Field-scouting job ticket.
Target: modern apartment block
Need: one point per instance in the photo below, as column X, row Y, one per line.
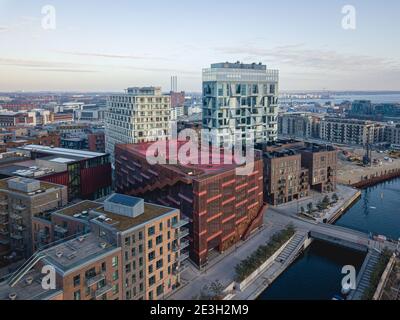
column 151, row 239
column 321, row 162
column 299, row 125
column 86, row 268
column 222, row 206
column 285, row 179
column 392, row 134
column 351, row 131
column 21, row 199
column 241, row 97
column 292, row 168
column 138, row 115
column 86, row 174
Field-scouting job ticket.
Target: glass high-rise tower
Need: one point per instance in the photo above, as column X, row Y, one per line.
column 240, row 97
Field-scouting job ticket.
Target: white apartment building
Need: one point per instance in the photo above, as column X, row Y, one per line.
column 242, row 97
column 138, row 115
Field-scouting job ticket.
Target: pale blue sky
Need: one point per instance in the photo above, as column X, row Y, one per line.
column 110, row 45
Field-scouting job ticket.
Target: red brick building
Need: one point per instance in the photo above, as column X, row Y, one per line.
column 223, row 207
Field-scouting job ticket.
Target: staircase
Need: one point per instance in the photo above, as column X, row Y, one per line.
column 24, row 269
column 255, row 221
column 155, row 186
column 290, row 248
column 365, row 274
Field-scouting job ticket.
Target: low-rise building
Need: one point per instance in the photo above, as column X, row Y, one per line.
column 21, row 199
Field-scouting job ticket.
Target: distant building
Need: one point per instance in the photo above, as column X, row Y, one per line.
column 241, row 97
column 138, row 115
column 352, row 131
column 299, row 125
column 223, row 207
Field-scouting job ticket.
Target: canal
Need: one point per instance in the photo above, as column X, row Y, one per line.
column 316, row 274
column 378, row 211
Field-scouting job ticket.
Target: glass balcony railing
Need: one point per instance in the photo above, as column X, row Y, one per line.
column 181, row 223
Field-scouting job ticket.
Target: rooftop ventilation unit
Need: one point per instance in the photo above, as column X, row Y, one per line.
column 12, row 296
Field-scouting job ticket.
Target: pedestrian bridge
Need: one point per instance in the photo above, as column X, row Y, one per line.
column 348, row 237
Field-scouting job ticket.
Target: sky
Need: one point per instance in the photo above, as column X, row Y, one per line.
column 111, row 45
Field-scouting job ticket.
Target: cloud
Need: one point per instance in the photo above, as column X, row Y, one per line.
column 66, row 70
column 299, row 56
column 110, row 55
column 38, row 65
column 4, row 29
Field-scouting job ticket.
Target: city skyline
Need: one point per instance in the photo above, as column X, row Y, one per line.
column 131, row 43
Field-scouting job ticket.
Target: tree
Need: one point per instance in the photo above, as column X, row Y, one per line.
column 325, row 202
column 335, row 197
column 217, row 289
column 302, row 210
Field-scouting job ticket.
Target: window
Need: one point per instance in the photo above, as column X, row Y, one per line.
column 161, row 226
column 134, row 252
column 151, row 231
column 128, row 268
column 103, row 267
column 115, row 262
column 160, row 290
column 152, row 256
column 152, row 280
column 77, row 295
column 159, row 240
column 140, row 262
column 140, row 235
column 77, row 281
column 141, row 287
column 150, row 244
column 115, row 288
column 151, row 295
column 159, row 264
column 127, row 241
column 115, row 275
column 151, row 269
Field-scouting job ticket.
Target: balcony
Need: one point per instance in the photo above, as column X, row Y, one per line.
column 3, row 202
column 19, row 207
column 15, row 216
column 183, row 233
column 183, row 257
column 183, row 244
column 181, row 223
column 16, row 236
column 94, row 280
column 102, row 291
column 4, row 232
column 4, row 242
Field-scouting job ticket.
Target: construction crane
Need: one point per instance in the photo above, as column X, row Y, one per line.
column 367, row 159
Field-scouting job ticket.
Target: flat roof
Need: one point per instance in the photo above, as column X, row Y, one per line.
column 193, row 171
column 73, row 253
column 124, row 223
column 62, row 151
column 25, row 291
column 43, row 186
column 79, row 208
column 119, row 222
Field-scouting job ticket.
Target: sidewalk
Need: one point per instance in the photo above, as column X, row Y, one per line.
column 223, row 270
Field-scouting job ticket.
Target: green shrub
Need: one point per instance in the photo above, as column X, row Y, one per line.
column 247, row 266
